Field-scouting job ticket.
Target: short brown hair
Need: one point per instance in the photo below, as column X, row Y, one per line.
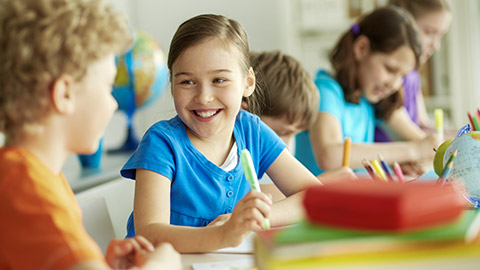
column 387, row 29
column 40, row 40
column 288, row 89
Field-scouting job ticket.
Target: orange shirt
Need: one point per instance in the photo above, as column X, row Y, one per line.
column 40, row 220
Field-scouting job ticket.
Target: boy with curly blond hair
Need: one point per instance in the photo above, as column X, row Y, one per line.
column 57, row 68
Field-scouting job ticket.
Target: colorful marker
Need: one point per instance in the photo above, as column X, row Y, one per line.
column 470, row 118
column 448, row 167
column 347, row 145
column 369, row 169
column 378, row 169
column 386, row 168
column 475, row 123
column 398, row 171
column 249, row 170
column 438, row 113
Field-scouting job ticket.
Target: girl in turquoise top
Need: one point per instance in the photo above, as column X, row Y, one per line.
column 190, row 188
column 411, row 121
column 369, row 62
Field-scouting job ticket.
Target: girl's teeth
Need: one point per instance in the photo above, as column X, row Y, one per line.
column 206, row 114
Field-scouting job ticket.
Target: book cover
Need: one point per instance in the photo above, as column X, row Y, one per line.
column 305, row 245
column 388, row 206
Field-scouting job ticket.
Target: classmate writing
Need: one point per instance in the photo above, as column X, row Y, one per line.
column 186, row 169
column 411, row 121
column 56, row 70
column 369, row 62
column 289, row 103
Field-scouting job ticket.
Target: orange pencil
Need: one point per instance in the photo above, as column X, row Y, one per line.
column 347, row 145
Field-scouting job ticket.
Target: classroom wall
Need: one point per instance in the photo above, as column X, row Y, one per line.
column 276, row 24
column 269, row 24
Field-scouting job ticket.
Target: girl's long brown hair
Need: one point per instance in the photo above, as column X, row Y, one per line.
column 387, row 29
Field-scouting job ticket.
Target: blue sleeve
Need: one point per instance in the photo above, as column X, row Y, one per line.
column 262, row 142
column 270, row 147
column 331, row 97
column 155, row 153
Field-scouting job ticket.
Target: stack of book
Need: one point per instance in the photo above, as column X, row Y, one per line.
column 363, row 225
column 308, row 246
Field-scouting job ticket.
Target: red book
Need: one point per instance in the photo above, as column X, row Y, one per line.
column 388, row 206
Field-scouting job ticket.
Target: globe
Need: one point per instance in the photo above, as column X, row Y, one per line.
column 142, row 76
column 466, row 166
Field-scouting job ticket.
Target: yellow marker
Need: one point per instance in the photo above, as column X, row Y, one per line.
column 347, row 145
column 378, row 169
column 438, row 113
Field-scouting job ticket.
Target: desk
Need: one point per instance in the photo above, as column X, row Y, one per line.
column 83, row 179
column 219, row 261
column 238, row 261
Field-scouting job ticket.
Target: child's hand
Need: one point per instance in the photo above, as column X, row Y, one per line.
column 248, row 215
column 137, row 251
column 427, row 145
column 126, row 253
column 343, row 173
column 412, row 169
column 164, row 257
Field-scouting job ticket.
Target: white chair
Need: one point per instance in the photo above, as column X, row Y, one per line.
column 105, row 210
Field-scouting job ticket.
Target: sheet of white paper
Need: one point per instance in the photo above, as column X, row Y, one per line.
column 240, row 264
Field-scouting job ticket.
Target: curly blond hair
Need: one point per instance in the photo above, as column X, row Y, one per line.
column 42, row 39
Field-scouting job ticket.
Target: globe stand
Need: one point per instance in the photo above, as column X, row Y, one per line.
column 92, row 163
column 131, row 142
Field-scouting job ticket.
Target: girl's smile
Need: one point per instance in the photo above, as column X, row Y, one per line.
column 206, row 115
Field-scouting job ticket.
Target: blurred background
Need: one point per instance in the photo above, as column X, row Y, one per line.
column 307, row 29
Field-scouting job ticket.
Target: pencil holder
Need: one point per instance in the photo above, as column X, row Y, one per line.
column 465, row 170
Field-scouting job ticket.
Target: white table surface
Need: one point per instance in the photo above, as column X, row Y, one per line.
column 217, row 261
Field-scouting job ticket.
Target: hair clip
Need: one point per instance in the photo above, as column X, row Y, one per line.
column 355, row 29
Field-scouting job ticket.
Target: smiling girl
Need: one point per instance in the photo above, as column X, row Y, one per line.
column 369, row 62
column 187, row 169
column 411, row 121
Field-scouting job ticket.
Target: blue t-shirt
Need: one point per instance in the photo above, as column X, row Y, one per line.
column 201, row 190
column 357, row 120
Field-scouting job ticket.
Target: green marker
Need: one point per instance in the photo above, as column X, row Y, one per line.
column 251, row 176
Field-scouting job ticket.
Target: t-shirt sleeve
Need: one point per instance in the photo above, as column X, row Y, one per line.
column 42, row 231
column 331, row 97
column 154, row 153
column 270, row 147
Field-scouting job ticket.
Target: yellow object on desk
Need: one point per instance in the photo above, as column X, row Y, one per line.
column 307, row 246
